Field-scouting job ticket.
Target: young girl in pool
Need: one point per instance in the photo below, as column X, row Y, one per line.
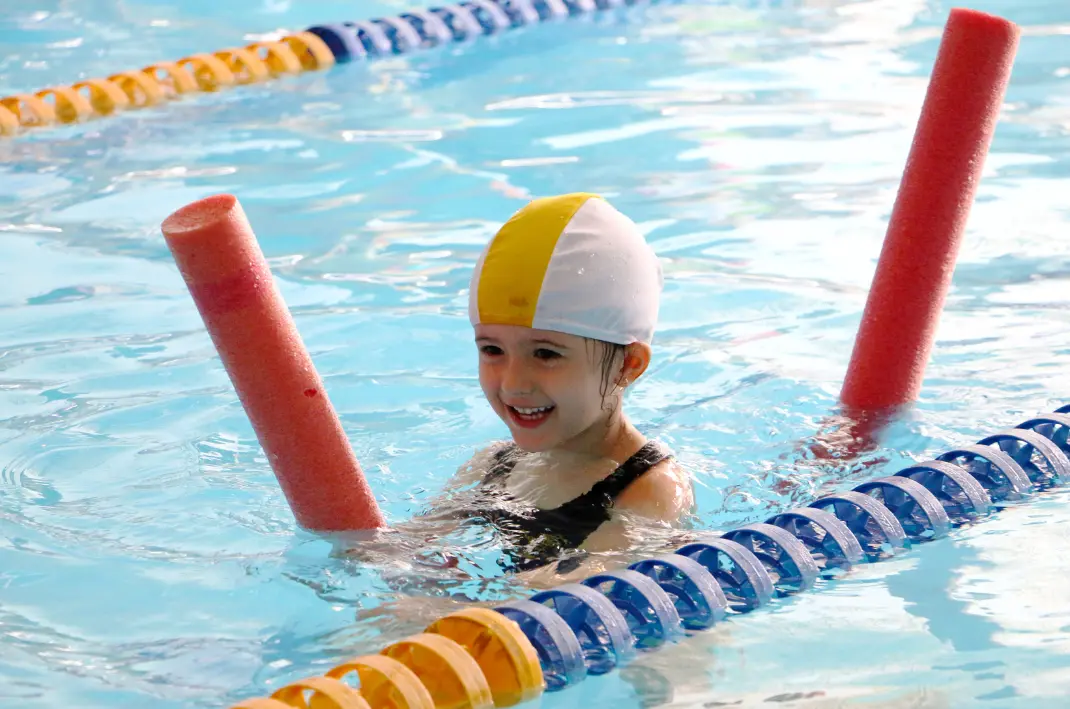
column 564, row 301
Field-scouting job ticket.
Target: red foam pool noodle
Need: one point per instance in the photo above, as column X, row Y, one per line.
column 958, row 118
column 272, row 372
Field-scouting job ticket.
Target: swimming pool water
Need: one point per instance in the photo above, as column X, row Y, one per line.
column 147, row 557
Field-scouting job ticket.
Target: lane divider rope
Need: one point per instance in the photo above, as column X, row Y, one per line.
column 478, row 658
column 316, row 48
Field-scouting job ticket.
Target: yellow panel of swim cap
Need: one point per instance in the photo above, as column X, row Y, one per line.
column 516, row 262
column 506, row 656
column 386, row 683
column 453, row 678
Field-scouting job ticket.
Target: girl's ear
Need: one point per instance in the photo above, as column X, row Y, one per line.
column 636, row 360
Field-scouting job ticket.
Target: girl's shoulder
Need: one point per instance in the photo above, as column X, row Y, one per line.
column 664, row 492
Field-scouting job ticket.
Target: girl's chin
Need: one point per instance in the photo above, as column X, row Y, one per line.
column 529, row 443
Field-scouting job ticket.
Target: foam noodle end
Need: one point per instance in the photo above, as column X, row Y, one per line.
column 200, row 215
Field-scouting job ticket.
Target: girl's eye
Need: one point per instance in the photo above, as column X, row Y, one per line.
column 546, row 354
column 490, row 350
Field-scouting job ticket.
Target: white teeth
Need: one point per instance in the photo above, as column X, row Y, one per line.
column 530, row 412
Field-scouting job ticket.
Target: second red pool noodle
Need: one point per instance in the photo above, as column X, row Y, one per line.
column 958, row 119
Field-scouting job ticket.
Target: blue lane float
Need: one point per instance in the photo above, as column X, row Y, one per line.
column 603, row 621
column 649, row 611
column 742, row 576
column 696, row 595
column 787, row 560
column 557, row 646
column 826, row 537
column 600, row 627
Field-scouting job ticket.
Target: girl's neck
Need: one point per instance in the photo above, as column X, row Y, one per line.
column 560, row 474
column 613, row 438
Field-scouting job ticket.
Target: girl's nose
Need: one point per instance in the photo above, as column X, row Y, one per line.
column 515, row 379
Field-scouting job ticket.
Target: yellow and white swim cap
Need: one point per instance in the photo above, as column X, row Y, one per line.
column 572, row 264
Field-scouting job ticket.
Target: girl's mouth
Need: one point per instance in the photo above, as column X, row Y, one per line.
column 529, row 417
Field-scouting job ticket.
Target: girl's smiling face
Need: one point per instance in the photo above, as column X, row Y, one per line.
column 551, row 389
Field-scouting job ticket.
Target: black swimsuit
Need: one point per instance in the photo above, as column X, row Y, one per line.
column 534, row 536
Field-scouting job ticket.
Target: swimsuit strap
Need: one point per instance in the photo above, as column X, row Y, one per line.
column 628, row 472
column 606, row 489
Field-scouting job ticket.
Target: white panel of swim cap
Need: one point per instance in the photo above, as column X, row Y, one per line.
column 473, row 288
column 603, row 280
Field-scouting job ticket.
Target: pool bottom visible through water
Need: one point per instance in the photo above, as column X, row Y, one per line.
column 147, row 555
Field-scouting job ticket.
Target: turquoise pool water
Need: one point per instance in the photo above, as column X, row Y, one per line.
column 147, row 557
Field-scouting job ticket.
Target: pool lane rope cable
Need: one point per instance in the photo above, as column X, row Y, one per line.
column 480, row 658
